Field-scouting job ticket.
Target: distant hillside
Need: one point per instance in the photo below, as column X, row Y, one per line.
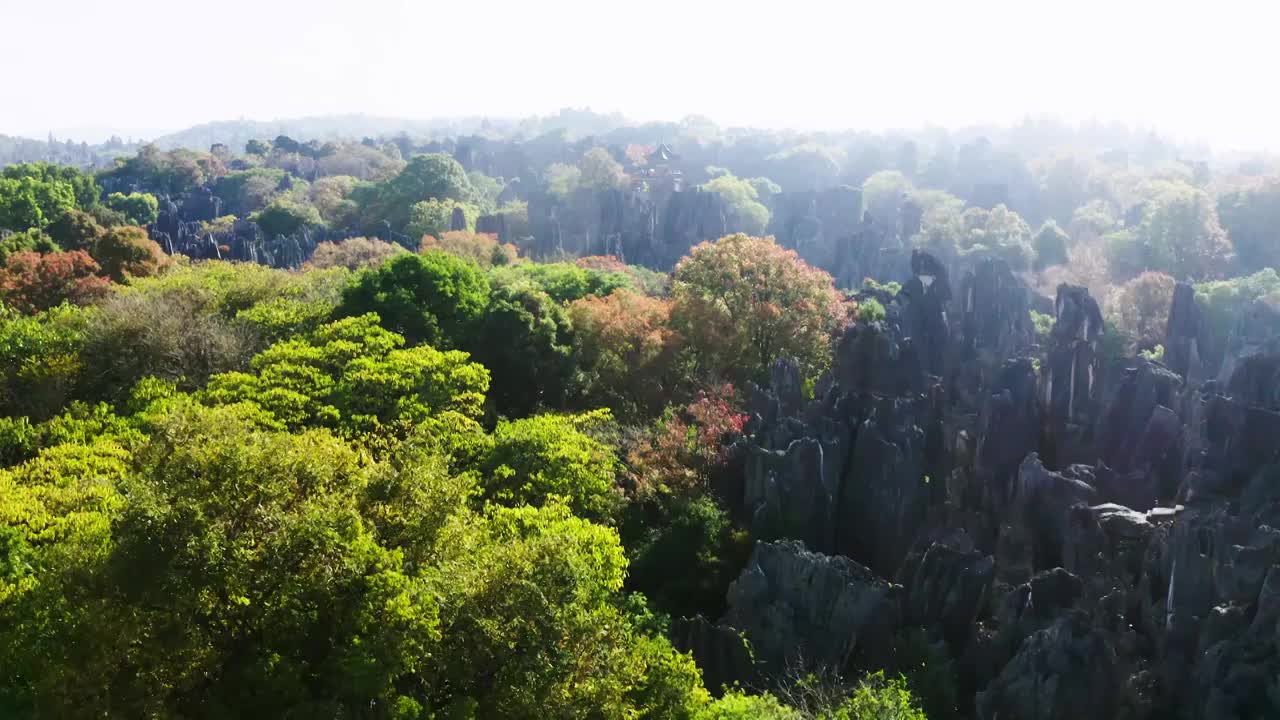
column 15, row 150
column 235, row 133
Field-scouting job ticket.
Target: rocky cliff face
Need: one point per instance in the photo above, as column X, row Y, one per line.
column 1078, row 548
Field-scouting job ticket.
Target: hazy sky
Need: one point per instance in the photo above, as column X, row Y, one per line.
column 1191, row 69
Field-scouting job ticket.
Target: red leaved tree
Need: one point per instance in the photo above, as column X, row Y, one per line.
column 31, row 282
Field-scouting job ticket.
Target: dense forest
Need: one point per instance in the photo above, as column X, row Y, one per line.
column 569, row 417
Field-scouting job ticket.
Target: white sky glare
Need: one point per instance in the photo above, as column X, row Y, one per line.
column 86, row 68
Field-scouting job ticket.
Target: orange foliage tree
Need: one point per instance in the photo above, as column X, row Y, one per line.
column 481, row 248
column 741, row 302
column 31, row 282
column 626, row 350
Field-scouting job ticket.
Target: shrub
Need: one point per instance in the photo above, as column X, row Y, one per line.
column 353, row 254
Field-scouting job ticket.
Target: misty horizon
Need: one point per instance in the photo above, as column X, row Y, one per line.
column 1186, row 74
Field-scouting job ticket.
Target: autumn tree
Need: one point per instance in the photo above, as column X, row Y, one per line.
column 483, row 249
column 353, row 253
column 126, row 252
column 627, row 352
column 31, row 281
column 742, row 302
column 1140, row 308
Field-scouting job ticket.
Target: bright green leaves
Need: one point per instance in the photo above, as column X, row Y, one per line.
column 434, row 298
column 550, row 456
column 354, row 376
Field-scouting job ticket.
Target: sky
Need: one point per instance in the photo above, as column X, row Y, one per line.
column 87, row 68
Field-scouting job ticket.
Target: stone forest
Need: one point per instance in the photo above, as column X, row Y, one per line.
column 572, row 417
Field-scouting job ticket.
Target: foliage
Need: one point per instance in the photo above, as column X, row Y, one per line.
column 354, row 376
column 1251, row 217
column 883, row 194
column 331, row 198
column 742, row 302
column 483, row 249
column 564, row 282
column 649, row 282
column 27, row 201
column 627, row 352
column 127, row 252
column 737, row 705
column 32, row 240
column 740, row 197
column 31, row 282
column 353, row 254
column 1223, row 301
column 137, row 208
column 1043, row 324
column 1178, row 234
column 434, row 217
column 39, row 360
column 869, row 310
column 687, row 448
column 562, row 180
column 434, row 298
column 434, row 176
column 76, row 230
column 525, row 340
column 539, row 459
column 246, row 191
column 599, row 171
column 285, row 216
column 1050, row 245
column 1140, row 309
column 999, row 232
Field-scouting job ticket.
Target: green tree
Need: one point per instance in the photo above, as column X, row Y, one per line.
column 1179, row 234
column 32, row 240
column 1050, row 245
column 434, row 298
column 883, row 194
column 998, row 232
column 354, row 376
column 742, row 302
column 536, row 459
column 28, row 202
column 562, row 180
column 435, row 217
column 525, row 340
column 284, row 216
column 432, row 176
column 1251, row 218
column 138, row 208
column 599, row 171
column 564, row 282
column 747, row 215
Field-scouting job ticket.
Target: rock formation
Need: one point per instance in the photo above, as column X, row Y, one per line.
column 1084, row 541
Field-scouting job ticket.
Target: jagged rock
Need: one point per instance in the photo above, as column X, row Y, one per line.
column 1185, row 335
column 803, row 608
column 1139, row 437
column 1064, row 672
column 947, row 586
column 815, row 223
column 1256, row 332
column 1070, row 372
column 720, row 651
